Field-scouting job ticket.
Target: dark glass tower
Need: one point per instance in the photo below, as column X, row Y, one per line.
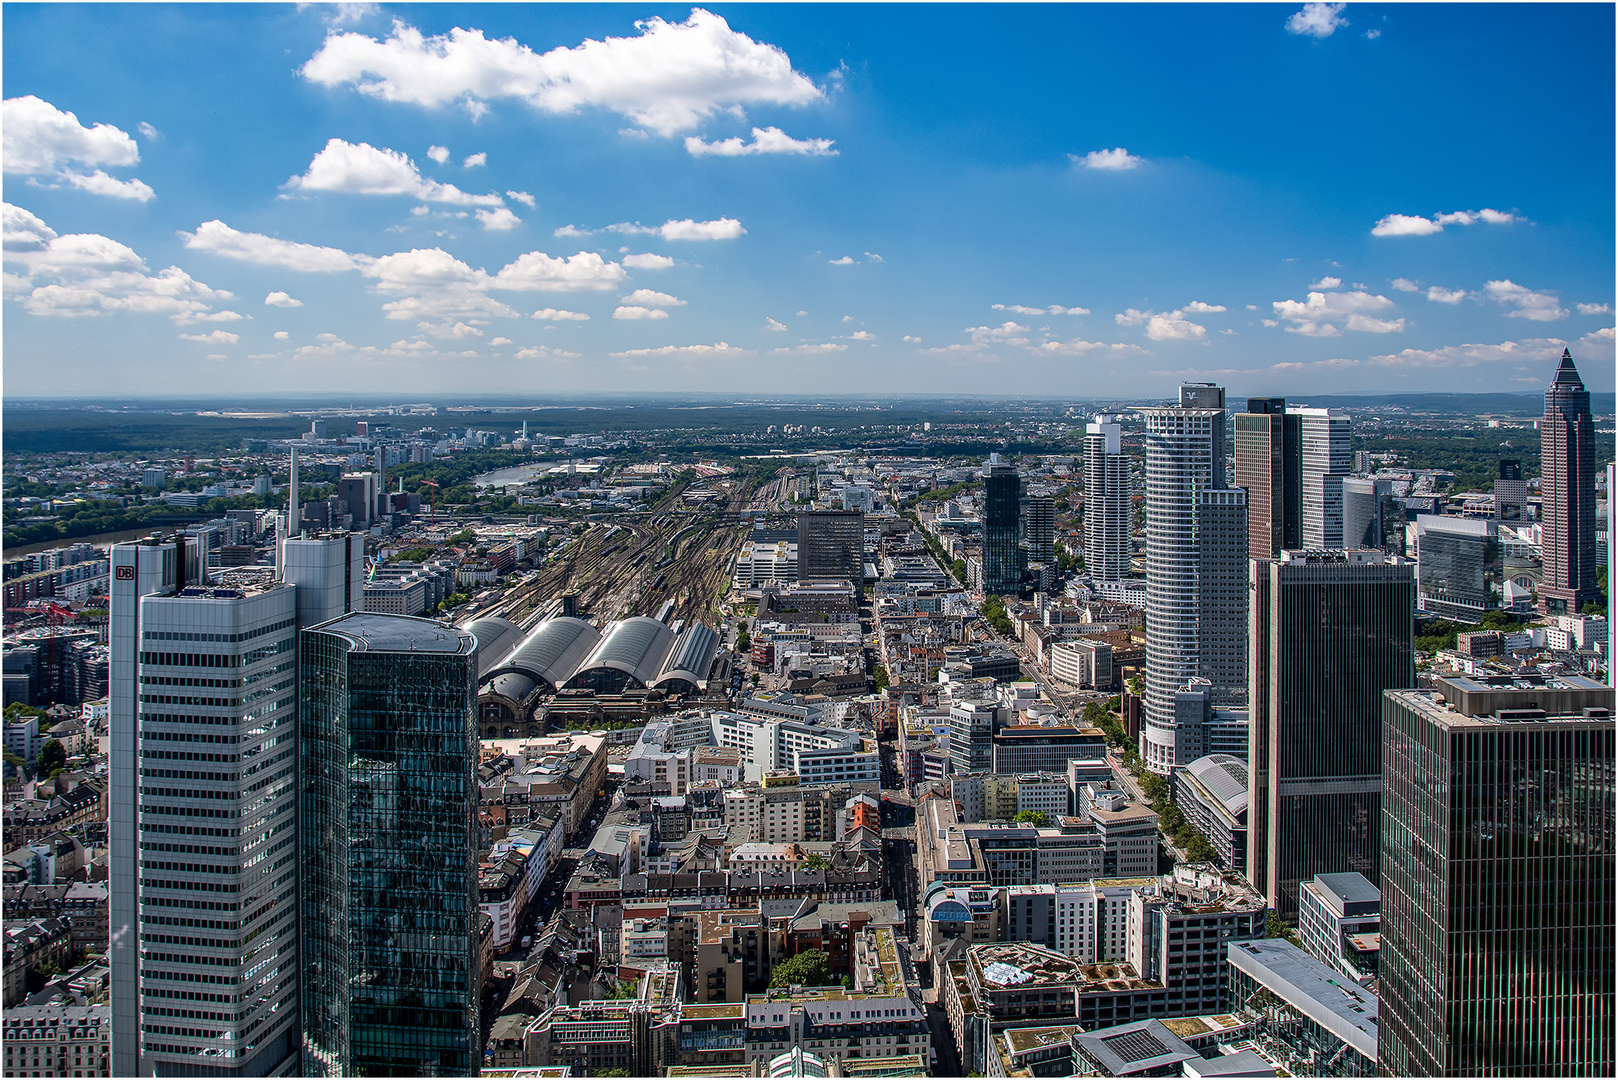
column 1498, row 915
column 1269, row 466
column 1567, row 450
column 388, row 817
column 1330, row 632
column 831, row 546
column 1003, row 553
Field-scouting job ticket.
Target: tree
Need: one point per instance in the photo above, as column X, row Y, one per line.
column 1037, row 818
column 815, row 861
column 1198, row 849
column 808, row 968
column 51, row 758
column 1274, row 927
column 880, row 676
column 614, row 1071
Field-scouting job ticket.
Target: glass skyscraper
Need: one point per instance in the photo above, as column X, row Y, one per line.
column 1109, row 515
column 1003, row 553
column 1269, row 467
column 831, row 546
column 1568, row 486
column 1498, row 917
column 388, row 819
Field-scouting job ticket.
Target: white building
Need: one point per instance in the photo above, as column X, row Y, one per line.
column 1109, row 514
column 1327, row 437
column 759, row 563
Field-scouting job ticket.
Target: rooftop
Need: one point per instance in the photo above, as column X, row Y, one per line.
column 370, row 631
column 1323, row 994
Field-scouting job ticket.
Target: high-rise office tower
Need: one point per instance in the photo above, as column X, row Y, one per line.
column 329, row 571
column 1222, row 594
column 1568, row 487
column 1330, row 632
column 831, row 546
column 1269, row 467
column 392, row 985
column 1498, row 938
column 1185, row 458
column 1109, row 513
column 1510, row 492
column 1365, row 504
column 1039, row 529
column 357, row 491
column 204, row 858
column 1003, row 557
column 1326, row 439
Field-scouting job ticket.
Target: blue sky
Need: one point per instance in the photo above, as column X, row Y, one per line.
column 1075, row 200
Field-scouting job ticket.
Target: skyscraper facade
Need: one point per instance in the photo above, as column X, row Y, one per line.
column 1330, row 632
column 1365, row 505
column 1326, row 442
column 1185, row 456
column 1109, row 513
column 203, row 835
column 1568, row 488
column 1004, row 560
column 1039, row 529
column 1222, row 594
column 329, row 571
column 1498, row 940
column 1269, row 467
column 831, row 546
column 388, row 824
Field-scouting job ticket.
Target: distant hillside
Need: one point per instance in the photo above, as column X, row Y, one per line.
column 1526, row 404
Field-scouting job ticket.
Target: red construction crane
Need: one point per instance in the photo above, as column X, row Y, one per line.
column 432, row 504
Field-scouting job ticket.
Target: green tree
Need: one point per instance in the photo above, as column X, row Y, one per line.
column 1198, row 849
column 1037, row 818
column 880, row 676
column 808, row 968
column 614, row 1071
column 815, row 861
column 1275, row 927
column 51, row 758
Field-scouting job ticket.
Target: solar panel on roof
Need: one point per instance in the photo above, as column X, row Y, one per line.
column 1133, row 1046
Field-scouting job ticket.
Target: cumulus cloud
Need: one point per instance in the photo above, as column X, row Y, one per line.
column 583, row 272
column 543, row 353
column 282, row 335
column 43, row 141
column 1409, row 225
column 216, row 337
column 811, row 350
column 1440, row 295
column 647, row 261
column 1209, row 309
column 1169, row 325
column 1113, row 160
column 220, row 239
column 1080, row 347
column 500, row 341
column 844, row 261
column 522, row 197
column 1539, row 307
column 439, row 154
column 281, row 299
column 1317, row 20
column 635, row 311
column 472, row 161
column 363, row 169
column 1328, row 314
column 666, row 80
column 770, row 140
column 1018, row 309
column 862, row 335
column 719, row 348
column 1595, row 309
column 1328, row 283
column 912, row 338
column 1405, row 285
column 873, row 257
column 652, row 298
column 448, row 331
column 771, row 324
column 499, row 219
column 551, row 314
column 1544, row 350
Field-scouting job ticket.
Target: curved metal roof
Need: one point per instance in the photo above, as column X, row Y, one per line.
column 1225, row 778
column 496, row 638
column 691, row 655
column 636, row 647
column 552, row 653
column 516, row 685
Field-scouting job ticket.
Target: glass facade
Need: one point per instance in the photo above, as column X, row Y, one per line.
column 1498, row 915
column 831, row 546
column 389, row 898
column 1003, row 553
column 1269, row 463
column 1460, row 560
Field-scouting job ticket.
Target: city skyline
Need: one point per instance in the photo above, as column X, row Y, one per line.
column 786, row 199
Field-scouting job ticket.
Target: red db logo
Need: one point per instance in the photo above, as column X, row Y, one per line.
column 124, row 573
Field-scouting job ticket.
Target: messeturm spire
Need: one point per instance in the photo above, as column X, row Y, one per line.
column 1567, row 486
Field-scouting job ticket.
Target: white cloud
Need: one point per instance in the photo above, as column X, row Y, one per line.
column 1007, row 333
column 99, row 183
column 1168, row 325
column 551, row 314
column 447, row 331
column 633, row 311
column 844, row 261
column 1595, row 309
column 812, row 350
column 771, row 324
column 1080, row 347
column 1540, row 307
column 648, row 261
column 499, row 219
column 1440, row 295
column 281, row 299
column 220, row 239
column 770, row 140
column 473, row 161
column 543, row 353
column 1114, row 159
column 873, row 257
column 667, row 80
column 1408, row 225
column 363, row 169
column 536, row 271
column 1317, row 20
column 439, row 154
column 216, row 337
column 1207, row 309
column 1365, row 324
column 571, row 232
column 522, row 197
column 912, row 338
column 652, row 298
column 1058, row 309
column 845, row 318
column 1405, row 285
column 687, row 229
column 1018, row 309
column 1319, row 314
column 282, row 335
column 717, row 349
column 1531, row 350
column 501, row 341
column 862, row 335
column 42, row 140
column 148, row 132
column 1372, row 35
column 1328, row 283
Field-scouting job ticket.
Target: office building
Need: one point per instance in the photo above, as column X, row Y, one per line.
column 329, row 571
column 1315, row 1023
column 1510, row 492
column 1326, row 438
column 1269, row 467
column 1221, row 537
column 1366, row 503
column 1459, row 567
column 1212, row 793
column 1185, row 456
column 1498, row 940
column 1004, row 560
column 1109, row 513
column 1568, row 487
column 202, row 903
column 831, row 546
column 357, row 493
column 392, row 981
column 1331, row 631
column 1340, row 922
column 1039, row 530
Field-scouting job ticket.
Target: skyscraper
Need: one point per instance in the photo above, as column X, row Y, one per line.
column 1222, row 594
column 1365, row 504
column 1568, row 488
column 1510, row 491
column 1498, row 938
column 1269, row 467
column 1039, row 529
column 203, row 842
column 1185, row 458
column 388, row 822
column 1109, row 514
column 831, row 546
column 1330, row 632
column 329, row 571
column 1326, row 441
column 1003, row 556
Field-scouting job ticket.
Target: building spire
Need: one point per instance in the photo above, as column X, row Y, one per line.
column 1566, row 373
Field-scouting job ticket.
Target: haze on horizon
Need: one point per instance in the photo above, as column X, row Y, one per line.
column 1088, row 201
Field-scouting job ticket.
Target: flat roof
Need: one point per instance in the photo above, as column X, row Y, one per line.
column 1325, row 995
column 1350, row 887
column 374, row 631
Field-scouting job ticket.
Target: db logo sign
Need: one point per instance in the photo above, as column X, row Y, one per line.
column 124, row 573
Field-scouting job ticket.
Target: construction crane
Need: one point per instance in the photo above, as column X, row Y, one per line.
column 432, row 505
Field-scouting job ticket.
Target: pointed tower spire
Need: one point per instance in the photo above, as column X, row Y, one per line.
column 1566, row 373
